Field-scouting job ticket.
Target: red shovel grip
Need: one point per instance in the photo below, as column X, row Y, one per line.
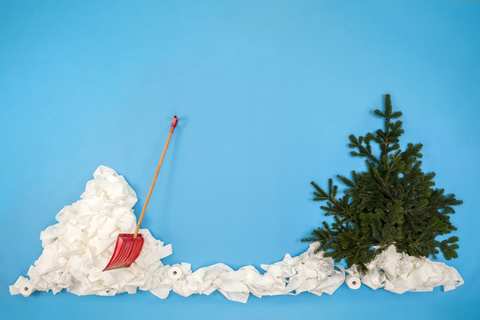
column 174, row 123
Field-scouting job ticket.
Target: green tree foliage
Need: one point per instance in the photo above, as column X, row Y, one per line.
column 391, row 203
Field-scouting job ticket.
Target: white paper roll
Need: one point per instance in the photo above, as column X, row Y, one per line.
column 174, row 273
column 26, row 289
column 353, row 282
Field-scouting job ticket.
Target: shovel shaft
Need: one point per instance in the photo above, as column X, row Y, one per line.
column 174, row 123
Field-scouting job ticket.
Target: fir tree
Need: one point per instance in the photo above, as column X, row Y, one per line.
column 391, row 203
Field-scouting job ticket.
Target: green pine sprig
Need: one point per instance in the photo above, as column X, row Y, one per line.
column 391, row 203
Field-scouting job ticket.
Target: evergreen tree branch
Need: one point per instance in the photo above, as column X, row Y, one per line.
column 391, row 203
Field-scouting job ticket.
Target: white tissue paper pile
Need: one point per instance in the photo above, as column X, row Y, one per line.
column 79, row 246
column 399, row 272
column 291, row 276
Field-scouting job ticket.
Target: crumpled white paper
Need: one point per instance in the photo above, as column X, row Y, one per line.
column 399, row 272
column 79, row 246
column 307, row 272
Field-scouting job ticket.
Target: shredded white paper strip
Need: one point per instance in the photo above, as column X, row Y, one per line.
column 399, row 272
column 79, row 246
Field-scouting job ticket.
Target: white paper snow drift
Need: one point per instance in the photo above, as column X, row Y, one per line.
column 79, row 246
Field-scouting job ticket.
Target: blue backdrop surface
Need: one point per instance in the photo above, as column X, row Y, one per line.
column 267, row 93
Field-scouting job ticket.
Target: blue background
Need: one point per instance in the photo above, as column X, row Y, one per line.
column 267, row 93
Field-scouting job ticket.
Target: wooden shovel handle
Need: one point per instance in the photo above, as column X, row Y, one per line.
column 174, row 123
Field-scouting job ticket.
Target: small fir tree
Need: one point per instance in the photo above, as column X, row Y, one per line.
column 391, row 203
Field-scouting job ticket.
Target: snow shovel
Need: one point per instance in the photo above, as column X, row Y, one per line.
column 129, row 245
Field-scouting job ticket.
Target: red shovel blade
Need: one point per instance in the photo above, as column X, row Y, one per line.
column 126, row 251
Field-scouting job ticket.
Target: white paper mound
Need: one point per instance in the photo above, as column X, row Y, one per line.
column 79, row 246
column 399, row 272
